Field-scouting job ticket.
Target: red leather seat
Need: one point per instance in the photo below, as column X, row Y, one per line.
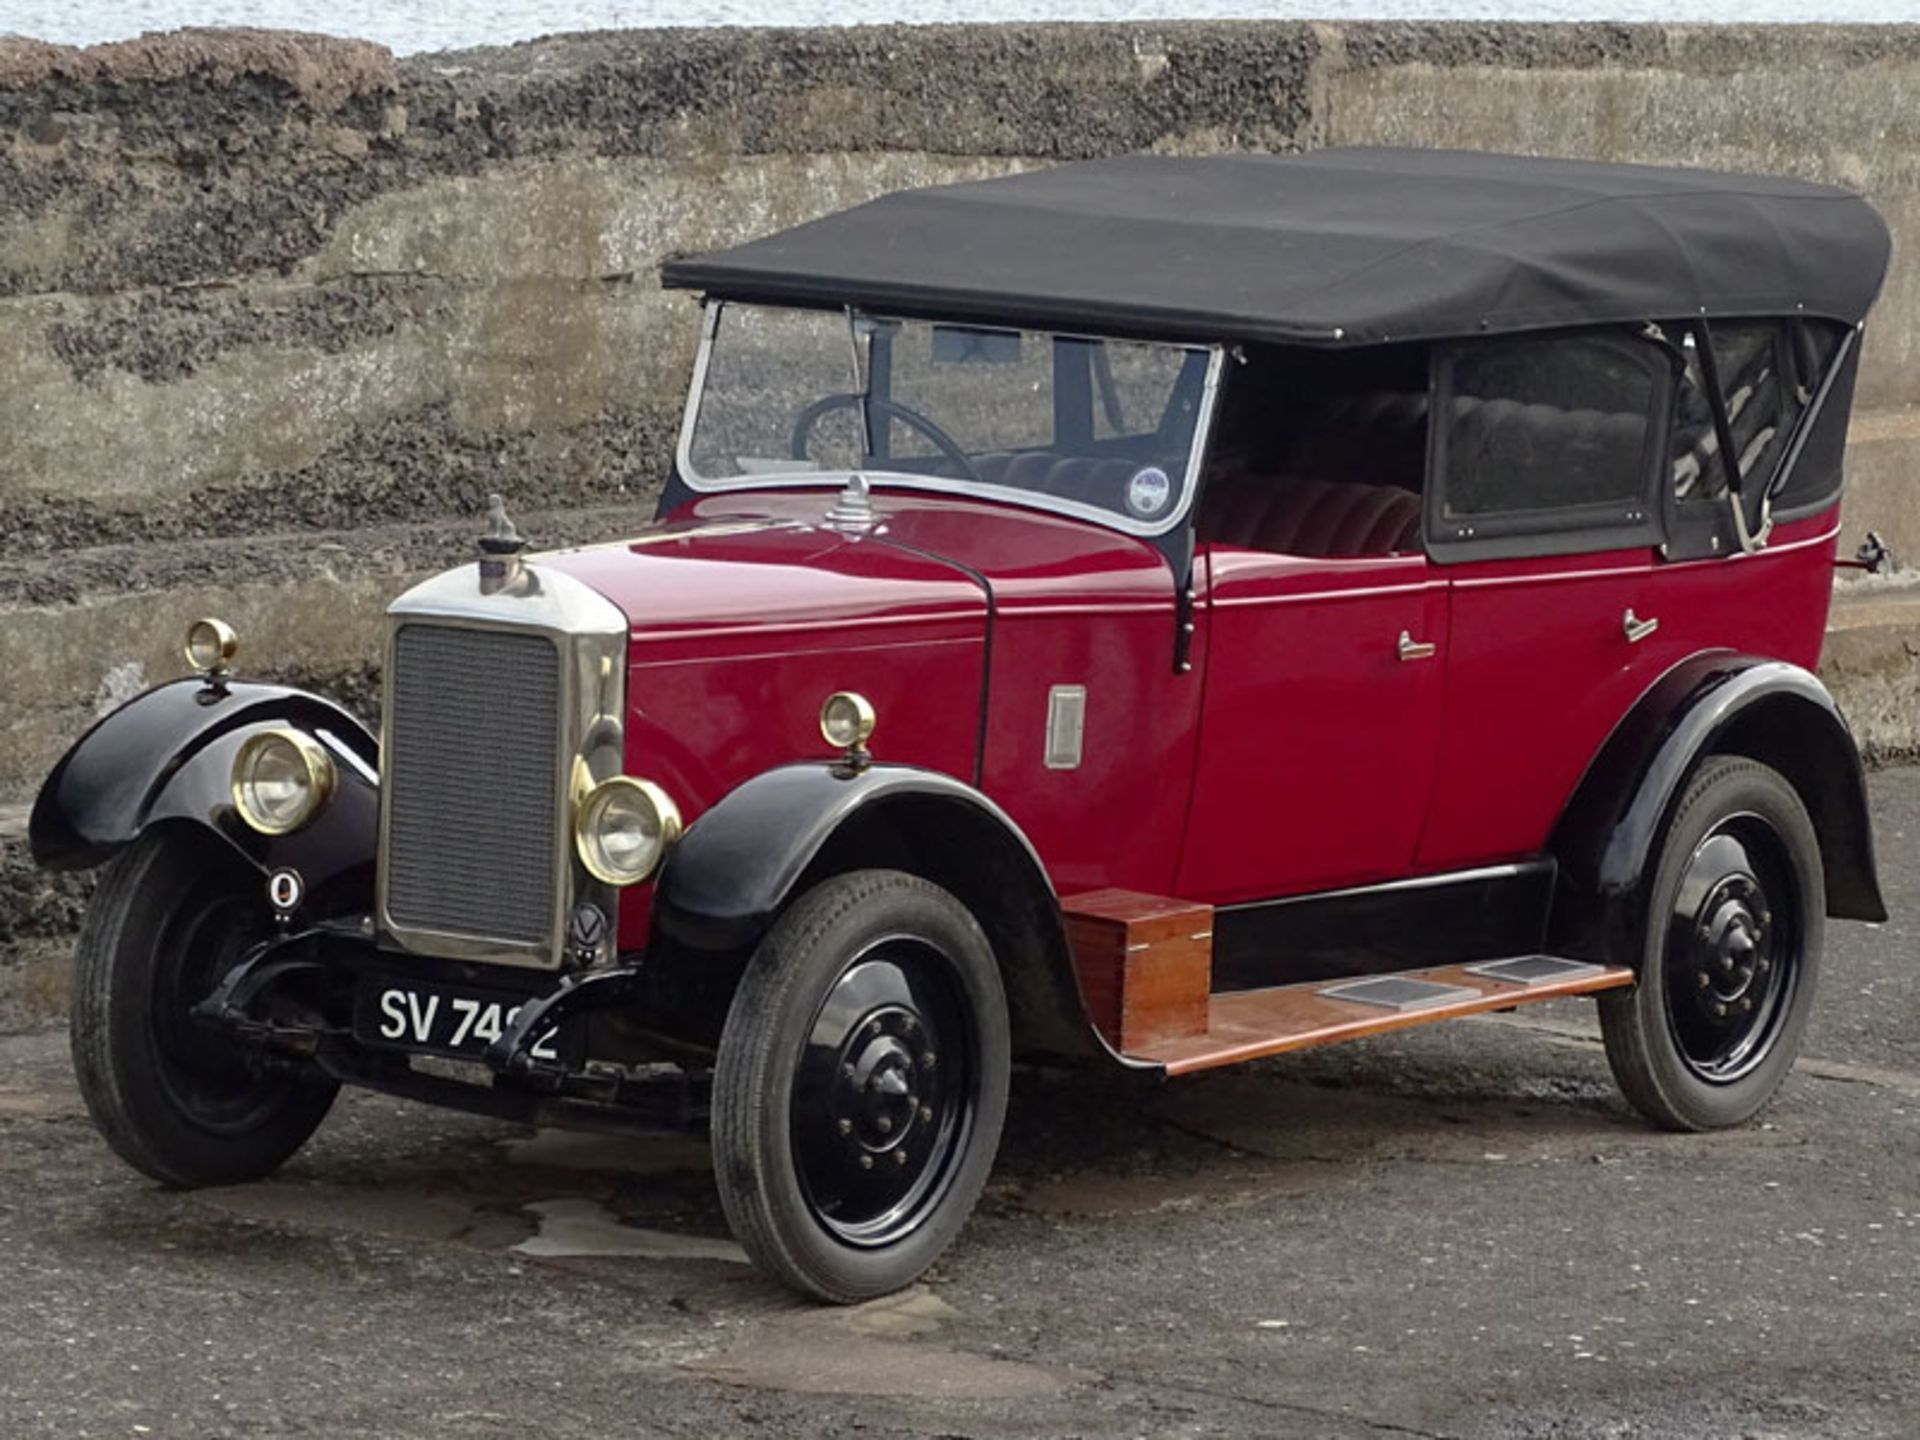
column 1347, row 484
column 1068, row 477
column 1376, row 437
column 992, row 466
column 1028, row 470
column 1292, row 515
column 1234, row 504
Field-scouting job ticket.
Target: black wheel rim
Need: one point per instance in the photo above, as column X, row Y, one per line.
column 206, row 1078
column 885, row 1093
column 1733, row 951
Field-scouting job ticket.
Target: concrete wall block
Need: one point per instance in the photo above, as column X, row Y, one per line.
column 71, row 664
column 551, row 391
column 1824, row 107
column 109, row 434
column 1883, row 462
column 590, row 217
column 1872, row 664
column 1060, row 91
column 109, row 622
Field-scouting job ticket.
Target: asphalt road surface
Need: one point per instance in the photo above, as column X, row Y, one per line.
column 1459, row 1231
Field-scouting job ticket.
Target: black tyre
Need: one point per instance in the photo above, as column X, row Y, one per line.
column 1730, row 956
column 170, row 917
column 861, row 1085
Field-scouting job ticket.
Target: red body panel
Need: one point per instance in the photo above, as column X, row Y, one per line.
column 1075, row 604
column 1773, row 603
column 1299, row 752
column 758, row 627
column 1541, row 670
column 1317, row 745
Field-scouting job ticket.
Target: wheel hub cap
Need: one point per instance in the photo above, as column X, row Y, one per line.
column 879, row 1087
column 883, row 1099
column 1730, row 961
column 1731, row 936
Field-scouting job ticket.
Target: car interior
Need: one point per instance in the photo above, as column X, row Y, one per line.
column 1324, row 454
column 1319, row 454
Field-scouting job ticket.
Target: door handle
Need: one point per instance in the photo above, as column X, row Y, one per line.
column 1637, row 629
column 1412, row 649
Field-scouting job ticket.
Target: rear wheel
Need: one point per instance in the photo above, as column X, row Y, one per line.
column 1730, row 954
column 174, row 1099
column 861, row 1085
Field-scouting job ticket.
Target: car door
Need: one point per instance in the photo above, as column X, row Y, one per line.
column 1319, row 721
column 1541, row 510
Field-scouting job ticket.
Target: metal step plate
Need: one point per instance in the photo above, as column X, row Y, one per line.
column 1396, row 992
column 1533, row 969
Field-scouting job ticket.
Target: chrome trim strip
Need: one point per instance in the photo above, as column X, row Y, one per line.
column 1357, row 592
column 1505, row 871
column 1202, row 431
column 1014, row 610
column 1620, row 571
column 690, row 417
column 971, row 489
column 1611, row 572
column 1825, row 537
column 794, row 627
column 1822, row 538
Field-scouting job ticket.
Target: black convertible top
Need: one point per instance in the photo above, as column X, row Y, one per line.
column 1336, row 247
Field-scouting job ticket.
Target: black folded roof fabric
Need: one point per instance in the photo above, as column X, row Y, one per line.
column 1336, row 247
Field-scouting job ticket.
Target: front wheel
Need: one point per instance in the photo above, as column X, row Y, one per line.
column 180, row 1103
column 861, row 1085
column 1730, row 953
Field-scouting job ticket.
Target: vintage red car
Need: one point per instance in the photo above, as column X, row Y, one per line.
column 1159, row 611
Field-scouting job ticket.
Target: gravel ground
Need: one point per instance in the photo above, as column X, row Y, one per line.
column 1455, row 1232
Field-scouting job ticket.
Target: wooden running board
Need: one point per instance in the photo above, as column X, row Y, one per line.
column 1250, row 1024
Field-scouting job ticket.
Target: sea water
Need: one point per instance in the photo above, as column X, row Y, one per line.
column 407, row 26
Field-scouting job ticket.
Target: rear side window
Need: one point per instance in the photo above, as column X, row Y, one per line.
column 1762, row 404
column 1547, row 443
column 1814, row 483
column 1770, row 372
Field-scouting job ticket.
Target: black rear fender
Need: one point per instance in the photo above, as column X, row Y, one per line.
column 1718, row 704
column 166, row 757
column 769, row 841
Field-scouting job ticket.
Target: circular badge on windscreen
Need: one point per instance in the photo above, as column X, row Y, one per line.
column 1149, row 492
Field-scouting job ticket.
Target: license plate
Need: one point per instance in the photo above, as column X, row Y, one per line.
column 454, row 1020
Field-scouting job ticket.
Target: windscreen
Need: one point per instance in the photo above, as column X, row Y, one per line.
column 1073, row 423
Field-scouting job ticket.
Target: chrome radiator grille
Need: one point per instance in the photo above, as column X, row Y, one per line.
column 469, row 779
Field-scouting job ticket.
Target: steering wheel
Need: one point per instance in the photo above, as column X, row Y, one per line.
column 913, row 419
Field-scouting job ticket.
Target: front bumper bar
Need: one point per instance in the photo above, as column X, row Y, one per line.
column 289, row 1001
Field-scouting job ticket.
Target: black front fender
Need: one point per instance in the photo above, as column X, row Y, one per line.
column 167, row 756
column 743, row 861
column 740, row 862
column 1714, row 704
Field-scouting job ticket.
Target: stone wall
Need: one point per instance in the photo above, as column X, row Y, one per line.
column 277, row 311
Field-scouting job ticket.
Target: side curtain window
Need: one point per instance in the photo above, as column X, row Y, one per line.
column 1551, row 438
column 1816, row 348
column 1763, row 401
